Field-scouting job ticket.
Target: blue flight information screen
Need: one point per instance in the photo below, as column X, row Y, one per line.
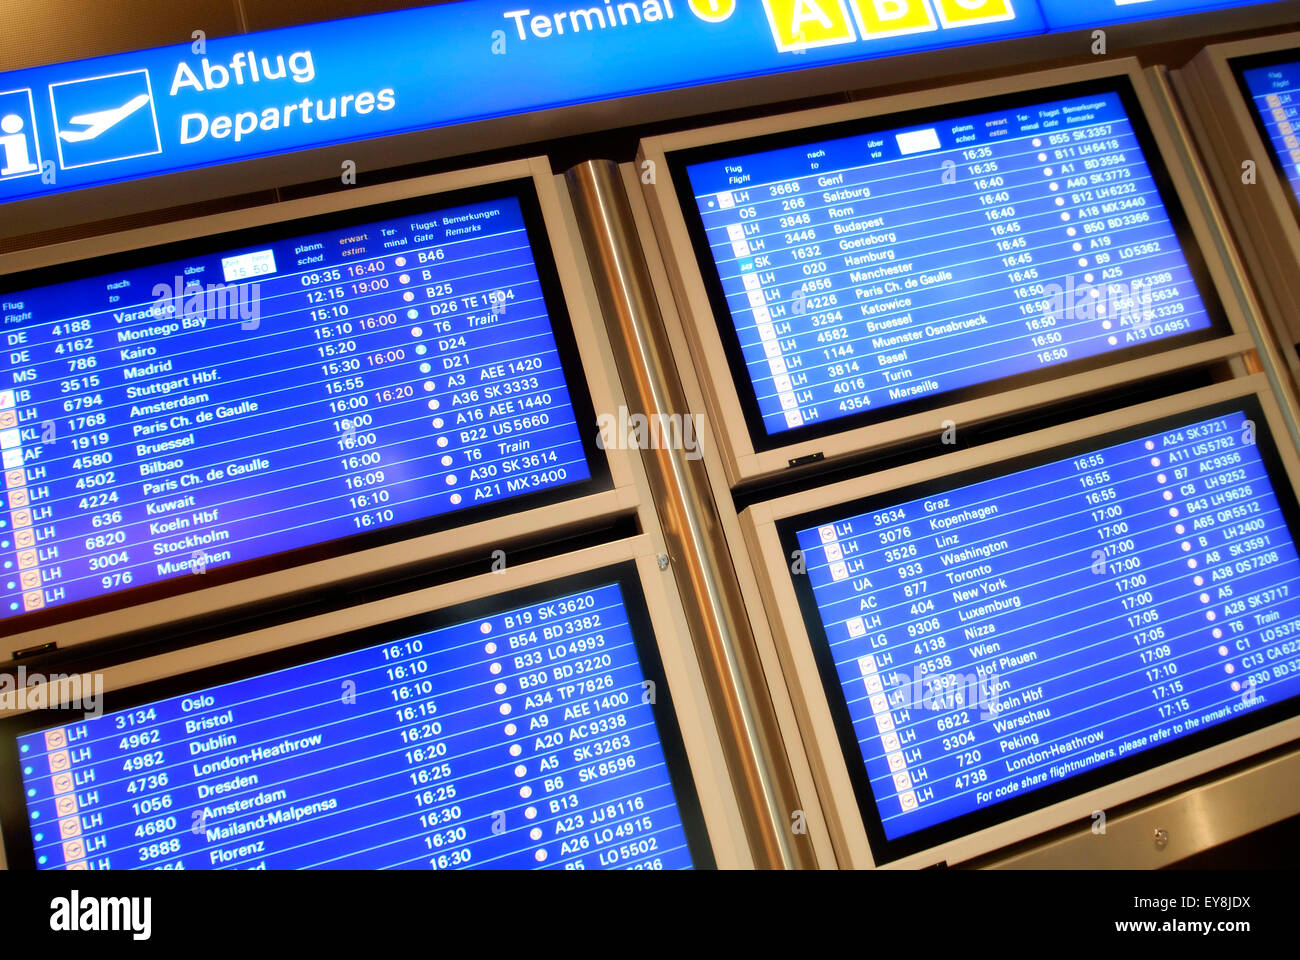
column 987, row 643
column 529, row 738
column 178, row 418
column 1272, row 92
column 857, row 277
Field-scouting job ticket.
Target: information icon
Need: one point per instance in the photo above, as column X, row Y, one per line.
column 20, row 152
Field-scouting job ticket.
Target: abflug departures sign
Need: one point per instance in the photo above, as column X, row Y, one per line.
column 134, row 115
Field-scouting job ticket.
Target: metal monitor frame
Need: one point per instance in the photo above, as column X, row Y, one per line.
column 829, row 763
column 622, row 499
column 1260, row 213
column 743, row 463
column 686, row 682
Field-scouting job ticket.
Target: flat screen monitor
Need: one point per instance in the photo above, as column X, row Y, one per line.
column 262, row 398
column 533, row 729
column 1004, row 638
column 879, row 267
column 1271, row 85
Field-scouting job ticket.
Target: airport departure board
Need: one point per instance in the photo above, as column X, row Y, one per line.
column 880, row 267
column 995, row 645
column 1271, row 89
column 269, row 391
column 535, row 736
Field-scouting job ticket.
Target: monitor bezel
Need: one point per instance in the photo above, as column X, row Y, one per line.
column 749, row 453
column 681, row 161
column 585, row 365
column 701, row 792
column 771, row 527
column 1262, row 212
column 1238, row 65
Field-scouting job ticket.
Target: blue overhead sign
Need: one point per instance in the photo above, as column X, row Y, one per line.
column 134, row 115
column 1082, row 14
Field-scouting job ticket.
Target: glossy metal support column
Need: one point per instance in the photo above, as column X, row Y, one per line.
column 700, row 560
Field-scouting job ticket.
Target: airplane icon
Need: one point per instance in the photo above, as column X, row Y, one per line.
column 104, row 119
column 101, row 120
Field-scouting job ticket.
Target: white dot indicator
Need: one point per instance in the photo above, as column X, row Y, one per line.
column 433, row 404
column 1072, row 232
column 1054, row 187
column 540, row 856
column 1038, row 141
column 1049, row 172
column 1173, row 511
column 1162, row 478
column 1180, row 529
column 1218, row 635
column 428, row 386
column 1236, row 687
column 536, row 834
column 1223, row 651
column 447, row 461
column 530, row 813
column 1169, row 495
column 1229, row 668
column 1211, row 615
column 504, row 709
column 1192, row 563
column 1042, row 157
column 1066, row 215
column 400, row 261
column 405, row 278
column 489, row 648
column 1151, row 444
column 521, row 771
column 1112, row 341
column 455, row 498
column 1060, row 202
column 1205, row 598
column 408, row 296
column 494, row 668
column 1155, row 461
column 525, row 791
column 500, row 688
column 417, row 331
column 437, row 423
column 510, row 729
column 515, row 749
column 485, row 628
column 1198, row 580
column 442, row 441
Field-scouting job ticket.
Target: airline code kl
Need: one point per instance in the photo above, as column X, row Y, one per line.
column 804, row 24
